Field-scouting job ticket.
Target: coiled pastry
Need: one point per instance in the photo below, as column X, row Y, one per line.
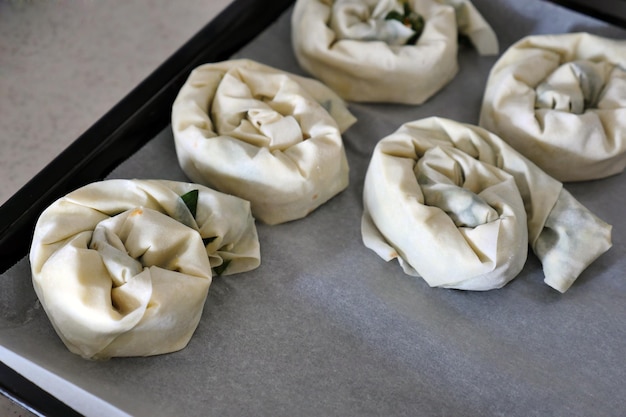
column 459, row 207
column 267, row 136
column 386, row 50
column 123, row 267
column 560, row 100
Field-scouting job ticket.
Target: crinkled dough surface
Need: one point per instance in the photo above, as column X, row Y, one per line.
column 459, row 207
column 123, row 268
column 267, row 136
column 350, row 46
column 561, row 101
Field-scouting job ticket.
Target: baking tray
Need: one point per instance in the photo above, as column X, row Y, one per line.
column 613, row 11
column 324, row 327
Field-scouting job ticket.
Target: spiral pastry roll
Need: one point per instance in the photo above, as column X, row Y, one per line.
column 560, row 100
column 386, row 50
column 267, row 136
column 123, row 267
column 459, row 207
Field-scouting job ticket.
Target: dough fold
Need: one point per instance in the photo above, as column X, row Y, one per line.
column 459, row 207
column 560, row 100
column 267, row 136
column 353, row 47
column 123, row 267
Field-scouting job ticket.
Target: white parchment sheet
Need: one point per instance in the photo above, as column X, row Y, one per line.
column 324, row 327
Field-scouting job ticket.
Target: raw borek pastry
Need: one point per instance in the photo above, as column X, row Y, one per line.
column 359, row 47
column 458, row 206
column 123, row 267
column 560, row 100
column 267, row 136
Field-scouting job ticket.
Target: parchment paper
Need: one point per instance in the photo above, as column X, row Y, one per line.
column 326, row 328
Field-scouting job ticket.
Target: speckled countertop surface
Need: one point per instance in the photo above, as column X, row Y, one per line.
column 65, row 63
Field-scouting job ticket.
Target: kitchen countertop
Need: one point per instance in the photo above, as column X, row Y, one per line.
column 64, row 64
